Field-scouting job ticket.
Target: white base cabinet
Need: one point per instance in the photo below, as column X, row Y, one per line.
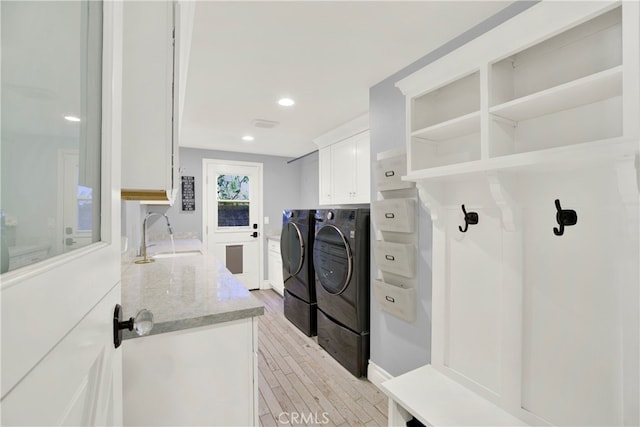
column 201, row 376
column 276, row 279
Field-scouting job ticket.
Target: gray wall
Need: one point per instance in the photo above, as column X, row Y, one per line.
column 308, row 195
column 281, row 184
column 397, row 346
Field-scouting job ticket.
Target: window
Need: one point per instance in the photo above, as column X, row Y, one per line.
column 233, row 200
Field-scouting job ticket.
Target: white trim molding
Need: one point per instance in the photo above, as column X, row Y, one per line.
column 377, row 375
column 355, row 126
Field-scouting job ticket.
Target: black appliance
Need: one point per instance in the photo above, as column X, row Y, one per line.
column 296, row 245
column 341, row 262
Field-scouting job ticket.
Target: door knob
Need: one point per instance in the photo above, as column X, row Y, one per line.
column 142, row 324
column 254, row 234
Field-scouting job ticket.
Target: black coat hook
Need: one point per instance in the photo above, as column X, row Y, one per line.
column 565, row 217
column 469, row 218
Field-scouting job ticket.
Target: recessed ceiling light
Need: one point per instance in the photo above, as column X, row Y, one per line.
column 248, row 138
column 72, row 118
column 286, row 102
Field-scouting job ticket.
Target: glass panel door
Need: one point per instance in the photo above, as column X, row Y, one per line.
column 51, row 85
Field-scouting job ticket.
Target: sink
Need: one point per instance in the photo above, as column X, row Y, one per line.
column 176, row 254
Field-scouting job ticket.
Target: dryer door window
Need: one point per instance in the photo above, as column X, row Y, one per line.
column 332, row 259
column 292, row 248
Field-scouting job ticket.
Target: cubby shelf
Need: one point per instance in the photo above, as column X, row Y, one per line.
column 592, row 88
column 459, row 126
column 534, row 161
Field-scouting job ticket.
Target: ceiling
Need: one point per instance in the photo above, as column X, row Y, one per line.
column 325, row 55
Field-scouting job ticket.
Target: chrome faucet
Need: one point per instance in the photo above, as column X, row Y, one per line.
column 143, row 251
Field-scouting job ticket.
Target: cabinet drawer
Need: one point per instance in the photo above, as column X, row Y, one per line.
column 388, row 173
column 397, row 258
column 398, row 215
column 396, row 300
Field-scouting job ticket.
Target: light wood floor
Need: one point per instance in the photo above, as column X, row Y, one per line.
column 300, row 384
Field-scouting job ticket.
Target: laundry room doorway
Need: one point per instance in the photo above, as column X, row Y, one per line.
column 232, row 226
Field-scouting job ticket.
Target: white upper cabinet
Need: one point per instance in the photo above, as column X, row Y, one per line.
column 150, row 101
column 345, row 164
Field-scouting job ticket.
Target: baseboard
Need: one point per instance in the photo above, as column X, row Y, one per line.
column 376, row 375
column 266, row 284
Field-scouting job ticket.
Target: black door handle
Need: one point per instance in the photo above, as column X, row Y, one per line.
column 254, row 234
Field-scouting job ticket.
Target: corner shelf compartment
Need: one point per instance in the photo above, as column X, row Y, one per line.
column 562, row 91
column 557, row 118
column 445, row 124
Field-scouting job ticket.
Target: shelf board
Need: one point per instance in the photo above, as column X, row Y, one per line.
column 533, row 161
column 437, row 400
column 595, row 87
column 459, row 126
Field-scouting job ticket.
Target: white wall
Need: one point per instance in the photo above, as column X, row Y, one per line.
column 308, row 195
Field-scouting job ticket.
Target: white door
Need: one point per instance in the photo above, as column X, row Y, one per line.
column 59, row 364
column 233, row 209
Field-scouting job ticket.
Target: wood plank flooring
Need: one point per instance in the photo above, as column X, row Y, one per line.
column 300, row 384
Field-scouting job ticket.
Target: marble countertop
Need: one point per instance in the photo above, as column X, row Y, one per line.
column 184, row 292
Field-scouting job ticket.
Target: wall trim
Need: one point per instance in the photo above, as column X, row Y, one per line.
column 344, row 131
column 377, row 375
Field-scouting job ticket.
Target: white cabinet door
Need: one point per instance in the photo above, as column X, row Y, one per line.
column 362, row 169
column 149, row 148
column 275, row 266
column 351, row 169
column 344, row 164
column 325, row 180
column 204, row 376
column 343, row 159
column 59, row 364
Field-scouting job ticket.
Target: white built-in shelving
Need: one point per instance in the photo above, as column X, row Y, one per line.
column 450, row 129
column 586, row 90
column 566, row 89
column 538, row 115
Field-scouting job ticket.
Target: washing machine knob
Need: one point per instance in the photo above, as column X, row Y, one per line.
column 329, row 215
